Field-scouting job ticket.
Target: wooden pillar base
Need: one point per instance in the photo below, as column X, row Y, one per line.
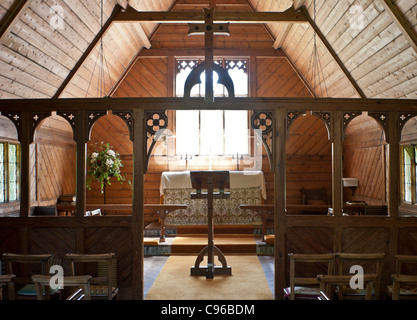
column 211, row 270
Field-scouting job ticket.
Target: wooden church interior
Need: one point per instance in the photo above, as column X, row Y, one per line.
column 325, row 100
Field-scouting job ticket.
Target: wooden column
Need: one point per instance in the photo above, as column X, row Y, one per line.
column 81, row 139
column 280, row 217
column 337, row 162
column 393, row 138
column 139, row 154
column 25, row 141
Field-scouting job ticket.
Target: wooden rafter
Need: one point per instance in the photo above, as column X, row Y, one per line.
column 90, row 48
column 9, row 21
column 330, row 49
column 290, row 15
column 401, row 23
column 135, row 59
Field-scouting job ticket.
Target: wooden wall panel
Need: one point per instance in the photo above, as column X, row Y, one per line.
column 308, row 240
column 44, row 240
column 365, row 158
column 276, row 78
column 100, row 240
column 9, row 240
column 309, row 159
column 368, row 240
column 55, row 173
column 148, row 77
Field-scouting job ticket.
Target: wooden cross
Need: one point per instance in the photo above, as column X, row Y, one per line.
column 209, row 29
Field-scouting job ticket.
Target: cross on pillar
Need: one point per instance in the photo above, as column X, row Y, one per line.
column 209, row 29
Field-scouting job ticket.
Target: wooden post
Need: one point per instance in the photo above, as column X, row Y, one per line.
column 280, row 216
column 139, row 154
column 337, row 162
column 25, row 141
column 81, row 139
column 393, row 138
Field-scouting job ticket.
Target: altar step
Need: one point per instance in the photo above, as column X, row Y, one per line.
column 190, row 240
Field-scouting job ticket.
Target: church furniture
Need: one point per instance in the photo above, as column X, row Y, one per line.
column 314, row 197
column 209, row 180
column 328, row 281
column 23, row 267
column 42, row 283
column 342, row 229
column 246, row 187
column 103, row 285
column 7, row 279
column 323, row 296
column 264, row 211
column 404, row 283
column 162, row 210
column 371, row 264
column 306, row 285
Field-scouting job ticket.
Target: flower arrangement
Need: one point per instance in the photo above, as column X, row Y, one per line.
column 104, row 163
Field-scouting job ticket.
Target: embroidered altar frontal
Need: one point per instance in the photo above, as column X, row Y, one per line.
column 244, row 189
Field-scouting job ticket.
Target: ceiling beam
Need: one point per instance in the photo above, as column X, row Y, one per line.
column 173, row 103
column 330, row 49
column 10, row 19
column 401, row 23
column 117, row 9
column 131, row 15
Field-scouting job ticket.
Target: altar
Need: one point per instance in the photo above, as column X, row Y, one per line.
column 246, row 187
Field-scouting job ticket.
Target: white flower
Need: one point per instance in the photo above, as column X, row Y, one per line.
column 109, row 162
column 94, row 155
column 111, row 153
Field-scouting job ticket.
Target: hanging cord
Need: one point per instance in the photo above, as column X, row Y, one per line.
column 314, row 66
column 102, row 62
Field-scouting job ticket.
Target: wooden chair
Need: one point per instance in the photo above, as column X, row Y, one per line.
column 404, row 285
column 327, row 282
column 104, row 281
column 33, row 264
column 307, row 286
column 314, row 196
column 372, row 265
column 81, row 282
column 9, row 280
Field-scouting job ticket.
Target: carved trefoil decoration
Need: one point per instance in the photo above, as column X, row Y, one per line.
column 262, row 124
column 292, row 115
column 327, row 119
column 127, row 117
column 37, row 117
column 71, row 118
column 403, row 118
column 155, row 123
column 347, row 118
column 92, row 118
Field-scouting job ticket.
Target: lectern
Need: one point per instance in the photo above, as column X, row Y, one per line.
column 210, row 180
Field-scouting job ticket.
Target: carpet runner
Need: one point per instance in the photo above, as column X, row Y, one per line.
column 247, row 282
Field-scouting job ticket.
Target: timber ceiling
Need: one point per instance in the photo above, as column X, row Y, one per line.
column 369, row 47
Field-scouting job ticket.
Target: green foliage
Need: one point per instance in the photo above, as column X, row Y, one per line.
column 104, row 163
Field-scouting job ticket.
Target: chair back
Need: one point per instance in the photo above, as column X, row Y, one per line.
column 371, row 263
column 403, row 276
column 323, row 260
column 104, row 281
column 83, row 282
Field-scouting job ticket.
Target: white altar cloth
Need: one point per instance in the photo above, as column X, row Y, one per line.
column 238, row 179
